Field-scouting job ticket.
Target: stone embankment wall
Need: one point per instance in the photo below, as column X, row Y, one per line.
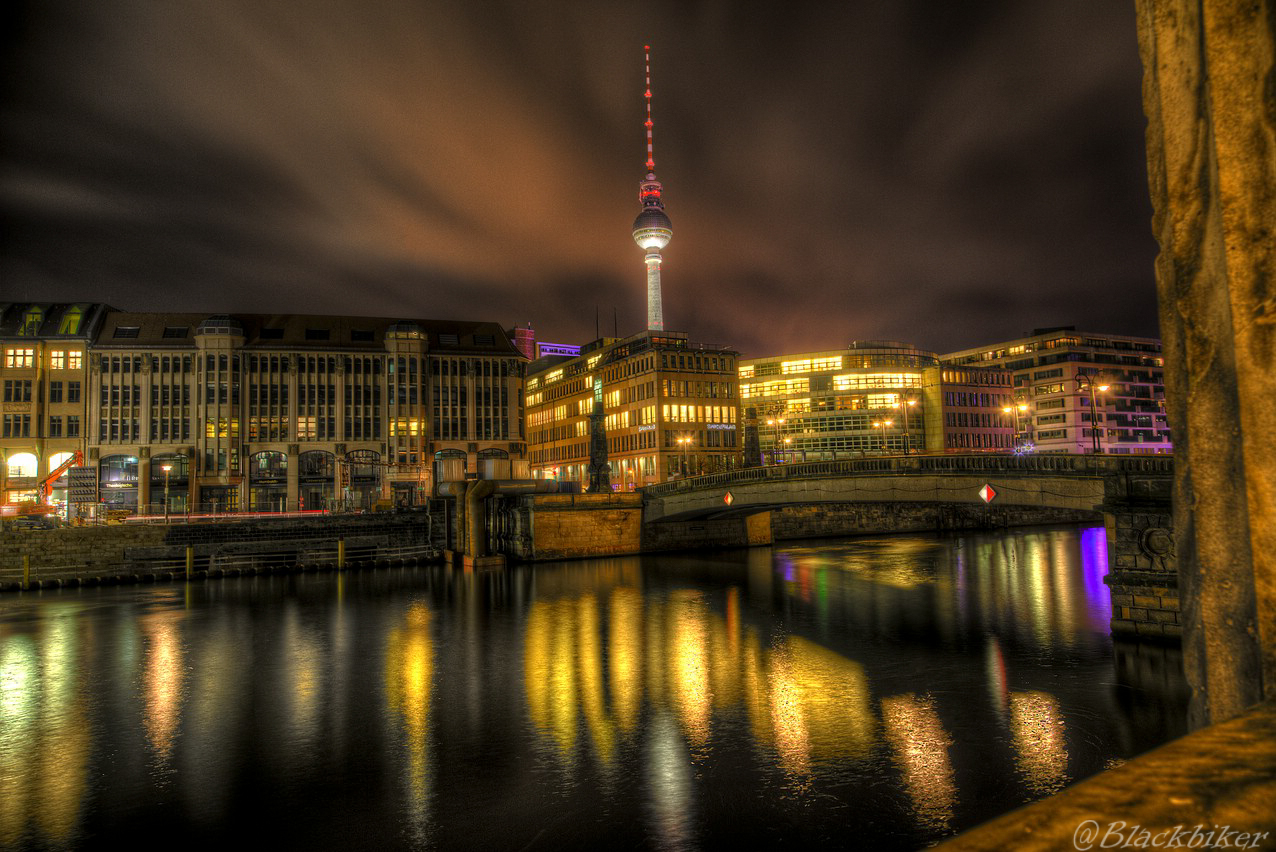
column 113, row 549
column 567, row 526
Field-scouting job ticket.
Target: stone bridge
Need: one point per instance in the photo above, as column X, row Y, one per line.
column 1129, row 494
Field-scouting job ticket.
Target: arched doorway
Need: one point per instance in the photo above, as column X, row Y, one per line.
column 117, row 483
column 316, row 479
column 362, row 479
column 267, row 481
column 177, row 480
column 449, row 466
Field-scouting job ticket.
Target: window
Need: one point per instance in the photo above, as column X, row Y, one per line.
column 55, row 427
column 71, row 320
column 176, row 332
column 73, row 426
column 17, row 391
column 72, row 391
column 31, row 321
column 361, row 335
column 19, row 358
column 317, row 334
column 55, row 392
column 127, row 332
column 271, row 334
column 75, row 360
column 57, row 360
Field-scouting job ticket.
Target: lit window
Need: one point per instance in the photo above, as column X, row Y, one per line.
column 57, row 360
column 75, row 360
column 19, row 358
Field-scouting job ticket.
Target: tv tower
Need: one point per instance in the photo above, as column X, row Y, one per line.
column 652, row 228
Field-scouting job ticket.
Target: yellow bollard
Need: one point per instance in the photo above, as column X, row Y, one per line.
column 190, row 561
column 26, row 571
column 341, row 553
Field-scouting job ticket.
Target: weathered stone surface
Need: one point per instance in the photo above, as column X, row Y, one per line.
column 1224, row 775
column 1209, row 93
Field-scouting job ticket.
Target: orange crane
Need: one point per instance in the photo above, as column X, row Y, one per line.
column 46, row 484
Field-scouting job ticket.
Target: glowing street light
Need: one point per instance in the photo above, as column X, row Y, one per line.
column 906, row 404
column 883, row 425
column 684, row 441
column 1092, row 383
column 1019, row 409
column 776, row 423
column 167, row 468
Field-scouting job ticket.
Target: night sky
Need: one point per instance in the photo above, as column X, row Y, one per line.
column 948, row 174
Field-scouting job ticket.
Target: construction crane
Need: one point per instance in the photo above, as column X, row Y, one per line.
column 46, row 484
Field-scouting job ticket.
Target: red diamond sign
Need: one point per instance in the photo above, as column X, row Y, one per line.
column 728, row 499
column 987, row 493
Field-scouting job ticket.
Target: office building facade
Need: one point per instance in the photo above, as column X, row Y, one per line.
column 1078, row 392
column 670, row 409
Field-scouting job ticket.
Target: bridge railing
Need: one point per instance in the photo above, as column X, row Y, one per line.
column 1077, row 465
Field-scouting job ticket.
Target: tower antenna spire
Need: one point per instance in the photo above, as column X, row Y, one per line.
column 651, row 162
column 652, row 229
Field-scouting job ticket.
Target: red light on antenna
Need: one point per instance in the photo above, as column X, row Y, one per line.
column 646, row 47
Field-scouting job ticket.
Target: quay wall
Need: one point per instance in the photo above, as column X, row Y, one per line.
column 111, row 549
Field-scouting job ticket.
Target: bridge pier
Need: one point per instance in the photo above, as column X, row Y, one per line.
column 1142, row 572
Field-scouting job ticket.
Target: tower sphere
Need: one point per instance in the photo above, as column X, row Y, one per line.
column 652, row 229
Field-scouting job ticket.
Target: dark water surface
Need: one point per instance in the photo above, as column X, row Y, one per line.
column 875, row 693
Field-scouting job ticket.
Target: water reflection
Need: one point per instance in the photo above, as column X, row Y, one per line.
column 889, row 690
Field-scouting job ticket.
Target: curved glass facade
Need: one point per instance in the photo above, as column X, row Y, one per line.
column 865, row 399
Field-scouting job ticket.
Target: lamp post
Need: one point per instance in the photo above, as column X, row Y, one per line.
column 882, row 424
column 1088, row 382
column 776, row 423
column 167, row 468
column 684, row 441
column 787, row 442
column 1019, row 409
column 906, row 404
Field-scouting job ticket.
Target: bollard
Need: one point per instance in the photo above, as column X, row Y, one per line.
column 341, row 552
column 190, row 561
column 26, row 571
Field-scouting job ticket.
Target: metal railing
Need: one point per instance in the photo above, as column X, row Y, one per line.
column 1057, row 464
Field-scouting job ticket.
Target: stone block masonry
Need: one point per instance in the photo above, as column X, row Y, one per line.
column 129, row 549
column 1142, row 573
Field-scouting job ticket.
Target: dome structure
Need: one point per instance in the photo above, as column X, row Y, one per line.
column 652, row 228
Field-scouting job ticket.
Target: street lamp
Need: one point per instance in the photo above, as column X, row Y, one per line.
column 787, row 442
column 776, row 423
column 167, row 468
column 906, row 404
column 684, row 441
column 1019, row 409
column 1088, row 382
column 882, row 424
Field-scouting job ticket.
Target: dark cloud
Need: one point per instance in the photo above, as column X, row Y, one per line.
column 948, row 174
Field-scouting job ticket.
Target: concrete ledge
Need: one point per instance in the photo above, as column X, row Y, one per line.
column 1221, row 778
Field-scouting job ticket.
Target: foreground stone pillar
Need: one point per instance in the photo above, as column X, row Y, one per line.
column 1209, row 92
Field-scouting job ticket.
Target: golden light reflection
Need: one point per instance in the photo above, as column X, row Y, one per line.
column 818, row 704
column 19, row 695
column 688, row 666
column 625, row 655
column 920, row 746
column 802, row 700
column 304, row 672
column 1041, row 753
column 61, row 775
column 163, row 681
column 593, row 690
column 409, row 682
column 550, row 671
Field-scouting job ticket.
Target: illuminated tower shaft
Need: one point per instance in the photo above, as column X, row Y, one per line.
column 652, row 229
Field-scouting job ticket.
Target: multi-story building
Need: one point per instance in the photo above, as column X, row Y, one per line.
column 839, row 403
column 976, row 406
column 670, row 408
column 264, row 412
column 44, row 376
column 1059, row 371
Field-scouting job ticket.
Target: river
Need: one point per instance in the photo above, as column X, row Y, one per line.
column 876, row 692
